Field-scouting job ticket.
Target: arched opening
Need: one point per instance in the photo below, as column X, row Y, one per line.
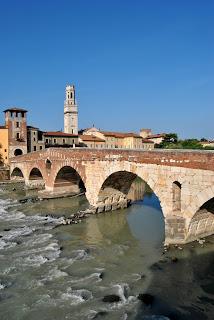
column 202, row 223
column 144, row 217
column 18, row 152
column 176, row 197
column 114, row 191
column 35, row 174
column 68, row 181
column 36, row 180
column 17, row 175
column 120, row 189
column 48, row 165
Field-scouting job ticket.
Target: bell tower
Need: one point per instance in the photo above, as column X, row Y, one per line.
column 70, row 111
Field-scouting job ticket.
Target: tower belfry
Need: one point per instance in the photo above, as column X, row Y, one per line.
column 70, row 111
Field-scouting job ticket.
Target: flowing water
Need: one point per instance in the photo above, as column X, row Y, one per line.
column 49, row 272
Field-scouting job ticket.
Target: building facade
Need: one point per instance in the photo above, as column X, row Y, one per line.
column 60, row 139
column 70, row 111
column 35, row 139
column 120, row 140
column 91, row 141
column 16, row 123
column 39, row 140
column 4, row 143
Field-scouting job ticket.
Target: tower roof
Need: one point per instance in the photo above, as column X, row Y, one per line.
column 15, row 109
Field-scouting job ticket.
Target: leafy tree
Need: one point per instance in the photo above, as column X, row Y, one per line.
column 191, row 144
column 171, row 141
column 170, row 138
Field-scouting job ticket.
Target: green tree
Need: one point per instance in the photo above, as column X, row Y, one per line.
column 170, row 138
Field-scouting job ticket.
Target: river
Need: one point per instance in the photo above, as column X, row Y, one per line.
column 49, row 272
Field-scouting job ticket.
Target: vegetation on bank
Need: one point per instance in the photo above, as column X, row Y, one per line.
column 171, row 141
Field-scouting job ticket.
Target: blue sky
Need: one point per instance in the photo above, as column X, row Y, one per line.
column 135, row 64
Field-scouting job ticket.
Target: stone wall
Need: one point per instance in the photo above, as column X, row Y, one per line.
column 4, row 174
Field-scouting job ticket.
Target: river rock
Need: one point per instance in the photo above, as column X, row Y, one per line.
column 111, row 298
column 23, row 200
column 201, row 241
column 146, row 298
column 100, row 314
column 174, row 259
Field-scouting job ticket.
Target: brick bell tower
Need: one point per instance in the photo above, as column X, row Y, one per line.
column 70, row 111
column 15, row 121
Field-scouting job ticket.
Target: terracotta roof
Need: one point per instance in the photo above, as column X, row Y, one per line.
column 85, row 137
column 59, row 134
column 15, row 109
column 158, row 135
column 120, row 134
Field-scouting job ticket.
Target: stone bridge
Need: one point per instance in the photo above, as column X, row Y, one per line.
column 182, row 180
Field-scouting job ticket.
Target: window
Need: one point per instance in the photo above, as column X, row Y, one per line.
column 40, row 147
column 5, row 150
column 176, row 196
column 63, row 140
column 34, row 133
column 6, row 158
column 17, row 124
column 34, row 139
column 34, row 148
column 17, row 135
column 46, row 140
column 54, row 140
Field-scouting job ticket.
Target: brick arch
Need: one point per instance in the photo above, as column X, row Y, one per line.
column 56, row 169
column 21, row 170
column 35, row 170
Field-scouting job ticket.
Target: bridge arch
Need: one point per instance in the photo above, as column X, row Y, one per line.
column 68, row 180
column 201, row 215
column 114, row 189
column 35, row 174
column 17, row 174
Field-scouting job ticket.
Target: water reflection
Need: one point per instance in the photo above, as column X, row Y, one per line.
column 139, row 189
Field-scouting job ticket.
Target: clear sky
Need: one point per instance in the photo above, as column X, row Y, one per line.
column 135, row 64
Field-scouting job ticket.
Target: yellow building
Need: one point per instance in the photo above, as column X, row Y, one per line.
column 4, row 144
column 92, row 141
column 120, row 140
